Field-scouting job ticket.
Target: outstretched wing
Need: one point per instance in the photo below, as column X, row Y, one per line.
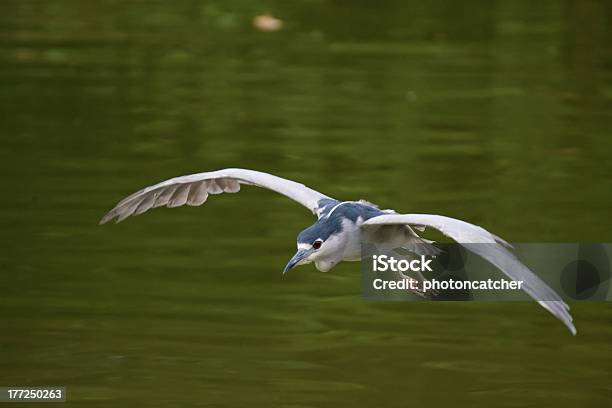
column 194, row 190
column 470, row 236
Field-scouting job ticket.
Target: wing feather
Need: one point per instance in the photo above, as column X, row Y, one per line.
column 472, row 236
column 194, row 190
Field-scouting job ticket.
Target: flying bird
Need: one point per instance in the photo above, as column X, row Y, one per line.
column 337, row 233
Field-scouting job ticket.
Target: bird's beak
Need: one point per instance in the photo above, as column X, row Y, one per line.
column 297, row 258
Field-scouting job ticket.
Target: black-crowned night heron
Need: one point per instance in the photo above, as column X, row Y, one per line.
column 337, row 234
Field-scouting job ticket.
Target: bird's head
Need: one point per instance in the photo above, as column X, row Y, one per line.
column 320, row 243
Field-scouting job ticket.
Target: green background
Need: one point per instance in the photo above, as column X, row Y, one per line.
column 496, row 112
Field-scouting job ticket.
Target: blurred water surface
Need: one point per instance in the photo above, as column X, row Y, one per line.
column 491, row 111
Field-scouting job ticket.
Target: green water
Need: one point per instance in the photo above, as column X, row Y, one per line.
column 497, row 112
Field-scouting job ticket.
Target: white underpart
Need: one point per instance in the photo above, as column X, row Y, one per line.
column 351, row 235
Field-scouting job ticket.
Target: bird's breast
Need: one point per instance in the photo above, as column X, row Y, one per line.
column 352, row 238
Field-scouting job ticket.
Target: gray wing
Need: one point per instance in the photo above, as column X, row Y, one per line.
column 469, row 234
column 194, row 190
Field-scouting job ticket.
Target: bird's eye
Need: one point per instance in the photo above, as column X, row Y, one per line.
column 317, row 244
